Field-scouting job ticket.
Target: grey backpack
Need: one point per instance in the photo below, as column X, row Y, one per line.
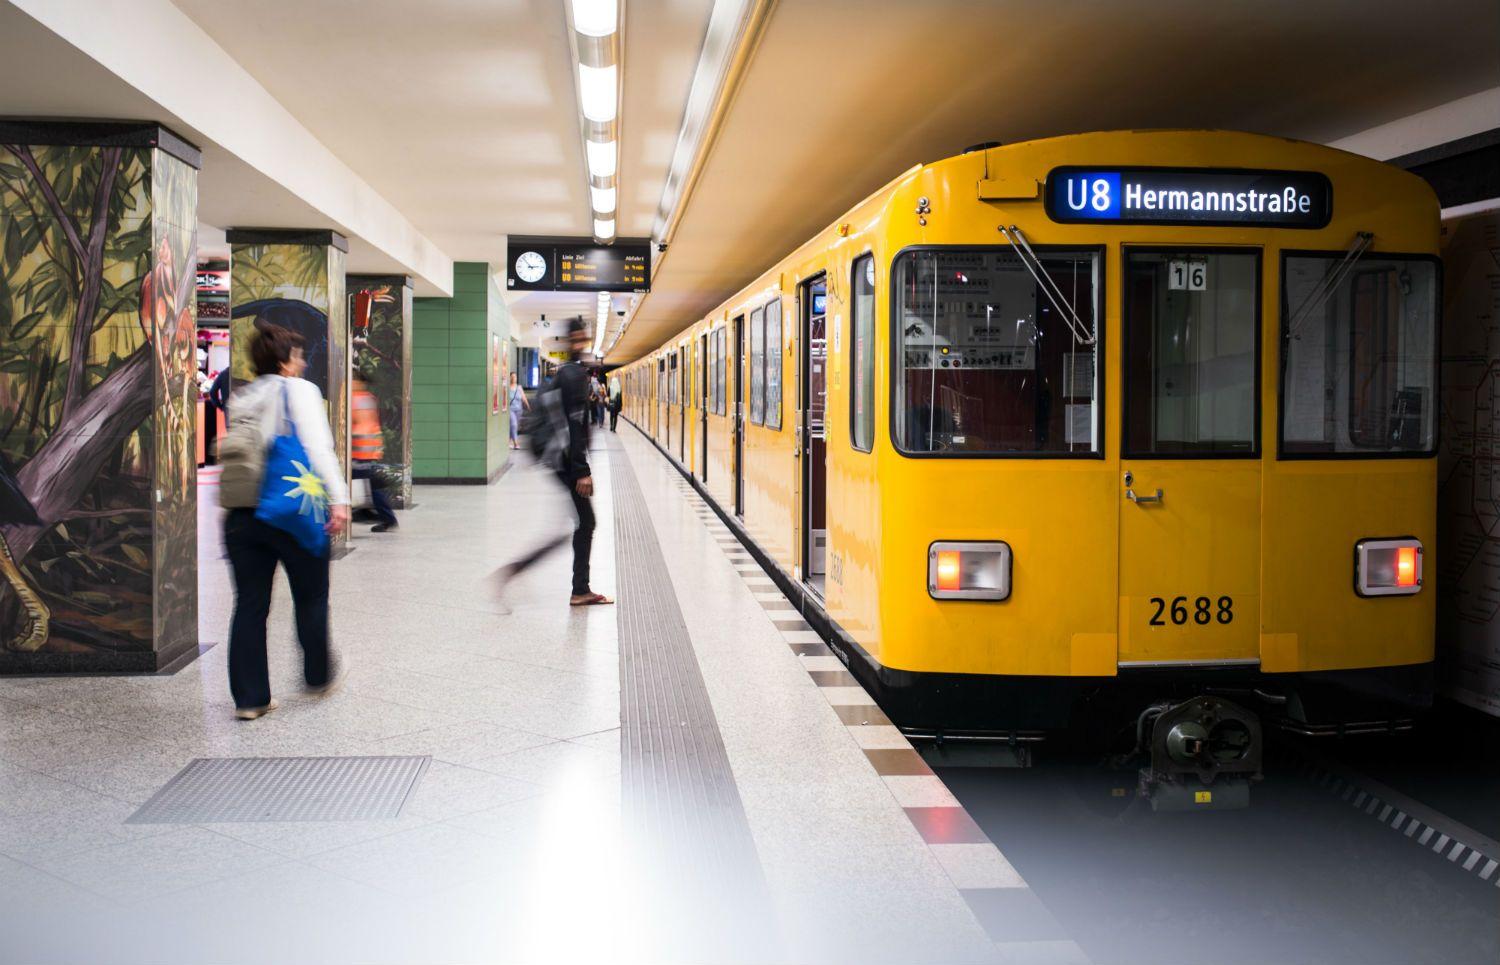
column 242, row 458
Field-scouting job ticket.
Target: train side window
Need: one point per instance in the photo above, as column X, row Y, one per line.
column 773, row 364
column 1359, row 361
column 986, row 363
column 862, row 355
column 757, row 366
column 719, row 371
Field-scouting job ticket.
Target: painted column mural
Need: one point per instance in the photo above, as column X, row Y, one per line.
column 295, row 278
column 382, row 355
column 98, row 499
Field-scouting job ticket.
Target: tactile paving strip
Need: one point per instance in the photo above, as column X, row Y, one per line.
column 225, row 790
column 682, row 806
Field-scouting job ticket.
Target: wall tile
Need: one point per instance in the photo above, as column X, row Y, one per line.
column 430, row 375
column 429, row 449
column 466, row 431
column 466, row 469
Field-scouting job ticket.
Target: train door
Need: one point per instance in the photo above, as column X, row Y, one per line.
column 739, row 414
column 671, row 395
column 1190, row 485
column 682, row 403
column 812, row 444
column 703, row 367
column 661, row 399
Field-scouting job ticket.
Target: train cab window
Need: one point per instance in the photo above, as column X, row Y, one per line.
column 773, row 365
column 758, row 366
column 1359, row 360
column 1192, row 343
column 987, row 363
column 862, row 355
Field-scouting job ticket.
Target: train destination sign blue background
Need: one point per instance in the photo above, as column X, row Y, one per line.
column 1279, row 199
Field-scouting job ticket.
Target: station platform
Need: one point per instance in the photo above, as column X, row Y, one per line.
column 687, row 776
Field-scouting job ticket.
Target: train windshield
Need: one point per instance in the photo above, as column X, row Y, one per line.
column 1360, row 356
column 987, row 362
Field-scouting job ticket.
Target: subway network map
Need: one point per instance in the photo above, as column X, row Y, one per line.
column 1469, row 464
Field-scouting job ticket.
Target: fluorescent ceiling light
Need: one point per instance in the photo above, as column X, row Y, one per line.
column 597, row 88
column 595, row 18
column 604, row 199
column 602, row 157
column 604, row 229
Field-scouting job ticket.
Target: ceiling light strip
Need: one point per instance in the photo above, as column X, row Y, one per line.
column 734, row 32
column 597, row 42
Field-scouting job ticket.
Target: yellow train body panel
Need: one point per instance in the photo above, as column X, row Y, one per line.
column 1097, row 578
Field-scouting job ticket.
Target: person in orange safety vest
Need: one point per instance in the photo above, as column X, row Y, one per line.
column 367, row 449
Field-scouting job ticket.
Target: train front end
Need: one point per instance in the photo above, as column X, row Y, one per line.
column 1161, row 413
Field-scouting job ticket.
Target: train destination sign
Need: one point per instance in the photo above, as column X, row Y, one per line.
column 576, row 265
column 1275, row 199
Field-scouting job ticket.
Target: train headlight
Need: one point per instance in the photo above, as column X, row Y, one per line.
column 1387, row 567
column 968, row 571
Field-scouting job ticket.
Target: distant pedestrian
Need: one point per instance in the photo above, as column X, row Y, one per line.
column 616, row 402
column 367, row 450
column 518, row 405
column 277, row 400
column 567, row 398
column 217, row 402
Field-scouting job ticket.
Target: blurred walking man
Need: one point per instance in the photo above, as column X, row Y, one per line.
column 571, row 386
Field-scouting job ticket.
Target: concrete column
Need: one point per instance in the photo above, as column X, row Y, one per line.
column 382, row 353
column 98, row 475
column 295, row 278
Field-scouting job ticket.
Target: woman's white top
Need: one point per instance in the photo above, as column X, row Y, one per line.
column 309, row 414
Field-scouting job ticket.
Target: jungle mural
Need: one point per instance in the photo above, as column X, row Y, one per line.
column 382, row 353
column 96, row 345
column 301, row 287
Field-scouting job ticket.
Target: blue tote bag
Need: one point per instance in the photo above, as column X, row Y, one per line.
column 292, row 496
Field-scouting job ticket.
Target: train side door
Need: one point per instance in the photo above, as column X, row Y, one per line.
column 682, row 403
column 703, row 368
column 1190, row 486
column 812, row 444
column 739, row 414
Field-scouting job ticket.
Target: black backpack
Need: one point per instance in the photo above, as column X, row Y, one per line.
column 545, row 427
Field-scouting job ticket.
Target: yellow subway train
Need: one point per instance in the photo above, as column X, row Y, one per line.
column 1134, row 427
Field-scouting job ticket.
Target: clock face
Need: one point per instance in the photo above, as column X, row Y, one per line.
column 530, row 267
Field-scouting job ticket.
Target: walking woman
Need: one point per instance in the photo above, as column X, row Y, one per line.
column 255, row 547
column 518, row 404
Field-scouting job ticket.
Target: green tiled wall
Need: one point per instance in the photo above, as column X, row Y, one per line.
column 453, row 429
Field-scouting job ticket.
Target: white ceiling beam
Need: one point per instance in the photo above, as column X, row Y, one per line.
column 1452, row 121
column 208, row 97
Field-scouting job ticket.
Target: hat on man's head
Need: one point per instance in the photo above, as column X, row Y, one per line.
column 576, row 325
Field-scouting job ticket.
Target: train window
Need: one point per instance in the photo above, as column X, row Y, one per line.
column 757, row 366
column 773, row 365
column 987, row 364
column 862, row 355
column 719, row 393
column 1192, row 350
column 1359, row 366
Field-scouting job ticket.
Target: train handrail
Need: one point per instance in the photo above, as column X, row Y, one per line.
column 1033, row 264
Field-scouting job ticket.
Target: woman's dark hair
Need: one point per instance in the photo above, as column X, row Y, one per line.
column 271, row 347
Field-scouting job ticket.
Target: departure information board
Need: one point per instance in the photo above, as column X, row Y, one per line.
column 573, row 265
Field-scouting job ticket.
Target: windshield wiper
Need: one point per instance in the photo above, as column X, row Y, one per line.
column 1331, row 281
column 1033, row 264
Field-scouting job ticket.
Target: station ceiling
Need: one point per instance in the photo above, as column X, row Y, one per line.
column 443, row 126
column 843, row 95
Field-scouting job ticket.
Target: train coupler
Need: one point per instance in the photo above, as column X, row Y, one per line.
column 1204, row 755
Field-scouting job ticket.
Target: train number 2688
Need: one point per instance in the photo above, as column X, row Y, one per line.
column 1203, row 611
